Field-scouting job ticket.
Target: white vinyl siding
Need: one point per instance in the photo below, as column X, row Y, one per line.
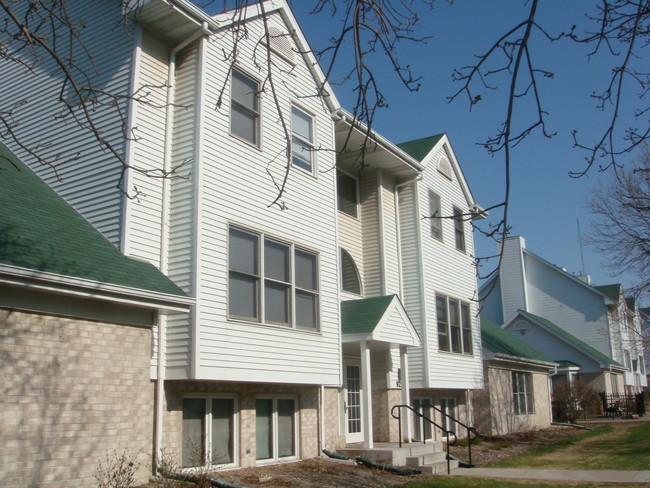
column 235, row 182
column 371, row 237
column 88, row 174
column 445, row 272
column 145, row 212
column 390, row 254
column 412, row 273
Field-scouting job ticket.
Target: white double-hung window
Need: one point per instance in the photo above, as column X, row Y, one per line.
column 522, row 393
column 302, row 139
column 245, row 107
column 454, row 325
column 271, row 281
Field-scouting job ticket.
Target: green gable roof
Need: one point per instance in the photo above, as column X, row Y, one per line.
column 419, row 148
column 362, row 316
column 612, row 291
column 499, row 341
column 571, row 339
column 40, row 231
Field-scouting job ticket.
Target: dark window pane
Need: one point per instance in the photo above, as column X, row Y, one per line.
column 276, row 302
column 223, row 411
column 286, row 428
column 347, row 194
column 276, row 261
column 242, row 296
column 306, row 310
column 264, row 429
column 306, row 272
column 244, row 90
column 193, row 432
column 349, row 276
column 243, row 252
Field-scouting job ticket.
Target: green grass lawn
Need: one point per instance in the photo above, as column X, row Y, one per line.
column 621, row 446
column 617, row 446
column 466, row 482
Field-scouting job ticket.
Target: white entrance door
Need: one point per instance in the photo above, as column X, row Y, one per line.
column 352, row 402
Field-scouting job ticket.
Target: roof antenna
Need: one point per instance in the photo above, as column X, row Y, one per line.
column 582, row 255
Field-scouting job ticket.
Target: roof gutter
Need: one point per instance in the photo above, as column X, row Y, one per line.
column 67, row 285
column 349, row 119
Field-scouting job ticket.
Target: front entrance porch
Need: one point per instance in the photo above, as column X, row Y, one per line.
column 376, row 333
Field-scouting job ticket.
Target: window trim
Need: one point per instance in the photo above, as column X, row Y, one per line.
column 357, row 213
column 274, row 422
column 311, row 145
column 262, row 279
column 527, row 395
column 257, row 115
column 206, row 436
column 460, row 237
column 464, row 326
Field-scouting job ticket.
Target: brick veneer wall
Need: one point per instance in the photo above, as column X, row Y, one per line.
column 71, row 390
column 504, row 420
column 245, row 395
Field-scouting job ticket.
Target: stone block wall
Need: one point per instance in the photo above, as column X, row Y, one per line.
column 72, row 391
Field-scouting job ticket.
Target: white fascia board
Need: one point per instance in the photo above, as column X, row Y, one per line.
column 378, row 139
column 526, row 361
column 67, row 285
column 356, row 338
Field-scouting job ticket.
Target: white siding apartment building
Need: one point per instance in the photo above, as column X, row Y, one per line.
column 313, row 316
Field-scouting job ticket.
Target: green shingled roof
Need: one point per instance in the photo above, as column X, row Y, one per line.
column 40, row 231
column 419, row 148
column 612, row 291
column 497, row 340
column 362, row 316
column 571, row 339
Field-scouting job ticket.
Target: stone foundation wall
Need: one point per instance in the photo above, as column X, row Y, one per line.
column 245, row 395
column 72, row 391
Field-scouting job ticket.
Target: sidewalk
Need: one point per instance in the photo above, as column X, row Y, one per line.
column 608, row 476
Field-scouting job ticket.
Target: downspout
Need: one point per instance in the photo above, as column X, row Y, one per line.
column 164, row 235
column 321, row 418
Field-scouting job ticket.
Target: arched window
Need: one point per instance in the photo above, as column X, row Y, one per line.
column 350, row 280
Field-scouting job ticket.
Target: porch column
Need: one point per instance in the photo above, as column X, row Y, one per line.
column 366, row 388
column 406, row 393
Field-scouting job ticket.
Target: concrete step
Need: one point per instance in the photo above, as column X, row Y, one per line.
column 427, row 458
column 439, row 467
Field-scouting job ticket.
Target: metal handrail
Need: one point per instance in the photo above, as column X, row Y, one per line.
column 450, row 433
column 424, row 418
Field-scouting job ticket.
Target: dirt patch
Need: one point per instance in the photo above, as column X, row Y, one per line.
column 327, row 473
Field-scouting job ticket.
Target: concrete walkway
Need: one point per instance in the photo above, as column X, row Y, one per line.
column 607, row 476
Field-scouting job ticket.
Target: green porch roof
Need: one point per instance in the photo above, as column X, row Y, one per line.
column 362, row 316
column 497, row 340
column 571, row 339
column 40, row 231
column 419, row 148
